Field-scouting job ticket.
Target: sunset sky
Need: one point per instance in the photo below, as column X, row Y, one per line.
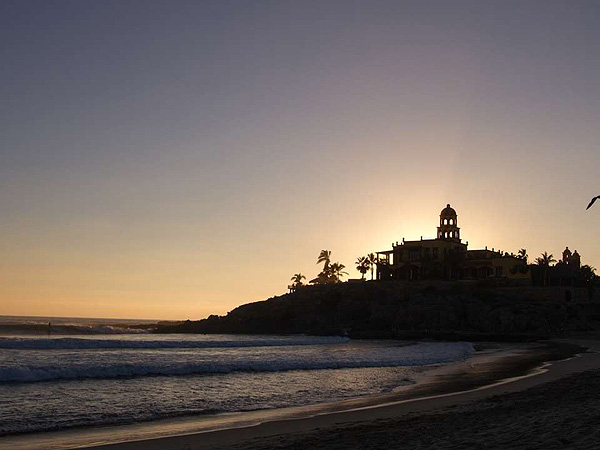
column 173, row 159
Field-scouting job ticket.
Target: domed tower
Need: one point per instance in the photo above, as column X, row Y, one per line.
column 566, row 255
column 448, row 228
column 575, row 260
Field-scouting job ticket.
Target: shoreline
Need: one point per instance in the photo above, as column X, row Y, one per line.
column 487, row 370
column 375, row 411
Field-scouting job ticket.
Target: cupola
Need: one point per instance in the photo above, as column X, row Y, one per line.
column 448, row 229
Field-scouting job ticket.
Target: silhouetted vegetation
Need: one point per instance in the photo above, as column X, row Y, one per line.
column 331, row 273
column 337, row 272
column 522, row 254
column 372, row 261
column 545, row 260
column 297, row 281
column 363, row 265
column 588, row 273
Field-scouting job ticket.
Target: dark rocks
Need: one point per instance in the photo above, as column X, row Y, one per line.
column 406, row 310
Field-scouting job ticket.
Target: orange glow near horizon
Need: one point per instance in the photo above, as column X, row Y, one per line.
column 215, row 156
column 164, row 289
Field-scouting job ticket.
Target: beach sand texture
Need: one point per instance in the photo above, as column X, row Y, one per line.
column 556, row 407
column 557, row 415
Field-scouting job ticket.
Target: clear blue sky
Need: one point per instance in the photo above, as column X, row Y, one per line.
column 172, row 159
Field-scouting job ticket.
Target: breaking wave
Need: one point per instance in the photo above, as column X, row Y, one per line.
column 88, row 344
column 414, row 355
column 44, row 328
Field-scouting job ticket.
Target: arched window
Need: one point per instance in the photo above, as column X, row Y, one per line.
column 451, row 221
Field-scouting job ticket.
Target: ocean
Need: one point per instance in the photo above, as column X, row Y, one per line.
column 67, row 374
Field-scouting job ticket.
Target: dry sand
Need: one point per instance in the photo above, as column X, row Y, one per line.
column 556, row 407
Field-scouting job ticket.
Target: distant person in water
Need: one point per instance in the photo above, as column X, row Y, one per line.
column 49, row 328
column 592, row 202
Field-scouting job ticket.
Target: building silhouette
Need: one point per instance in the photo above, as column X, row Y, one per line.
column 447, row 257
column 566, row 272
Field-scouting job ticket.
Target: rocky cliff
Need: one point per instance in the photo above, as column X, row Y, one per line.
column 439, row 310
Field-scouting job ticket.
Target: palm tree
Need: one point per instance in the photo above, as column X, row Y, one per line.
column 297, row 282
column 545, row 259
column 297, row 279
column 325, row 276
column 324, row 257
column 337, row 271
column 362, row 265
column 372, row 260
column 523, row 255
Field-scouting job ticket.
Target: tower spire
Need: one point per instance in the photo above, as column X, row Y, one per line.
column 448, row 229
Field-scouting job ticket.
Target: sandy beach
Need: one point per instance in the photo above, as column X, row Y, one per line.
column 528, row 395
column 553, row 405
column 557, row 415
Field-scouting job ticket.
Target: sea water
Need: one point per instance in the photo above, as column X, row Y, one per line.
column 100, row 373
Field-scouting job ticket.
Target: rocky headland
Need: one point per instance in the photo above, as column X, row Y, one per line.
column 408, row 310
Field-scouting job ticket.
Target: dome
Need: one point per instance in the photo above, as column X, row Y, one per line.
column 448, row 228
column 448, row 211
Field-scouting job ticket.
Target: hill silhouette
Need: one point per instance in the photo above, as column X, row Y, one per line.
column 439, row 310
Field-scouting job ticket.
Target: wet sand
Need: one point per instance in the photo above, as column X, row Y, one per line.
column 504, row 400
column 557, row 415
column 483, row 402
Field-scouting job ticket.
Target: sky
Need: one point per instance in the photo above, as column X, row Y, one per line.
column 175, row 159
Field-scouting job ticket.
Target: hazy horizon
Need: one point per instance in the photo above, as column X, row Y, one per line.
column 81, row 318
column 179, row 159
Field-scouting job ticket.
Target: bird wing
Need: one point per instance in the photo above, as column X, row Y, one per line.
column 592, row 202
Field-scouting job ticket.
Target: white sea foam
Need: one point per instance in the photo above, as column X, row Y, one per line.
column 89, row 344
column 413, row 355
column 108, row 329
column 61, row 388
column 37, row 328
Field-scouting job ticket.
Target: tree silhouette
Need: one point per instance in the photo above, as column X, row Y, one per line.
column 372, row 260
column 337, row 271
column 523, row 255
column 362, row 265
column 324, row 257
column 331, row 273
column 297, row 281
column 588, row 273
column 325, row 276
column 545, row 259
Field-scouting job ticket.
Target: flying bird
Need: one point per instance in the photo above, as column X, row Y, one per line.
column 592, row 202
